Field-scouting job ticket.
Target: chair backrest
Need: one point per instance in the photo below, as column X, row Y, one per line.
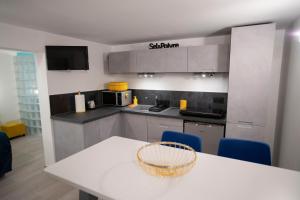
column 257, row 152
column 183, row 138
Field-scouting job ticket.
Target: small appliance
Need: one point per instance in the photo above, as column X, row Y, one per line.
column 115, row 98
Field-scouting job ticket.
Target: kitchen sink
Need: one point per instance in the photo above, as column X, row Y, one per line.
column 142, row 107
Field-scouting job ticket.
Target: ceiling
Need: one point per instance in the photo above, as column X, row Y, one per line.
column 129, row 21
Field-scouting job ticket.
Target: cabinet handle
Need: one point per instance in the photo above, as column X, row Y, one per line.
column 245, row 122
column 162, row 126
column 245, row 126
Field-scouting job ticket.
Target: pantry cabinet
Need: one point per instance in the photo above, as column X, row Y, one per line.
column 250, row 72
column 254, row 83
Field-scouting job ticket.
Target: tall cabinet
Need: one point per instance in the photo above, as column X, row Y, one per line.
column 250, row 79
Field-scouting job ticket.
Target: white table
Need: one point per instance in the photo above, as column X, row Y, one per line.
column 109, row 170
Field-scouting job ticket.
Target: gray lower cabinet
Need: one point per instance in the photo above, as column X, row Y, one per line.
column 208, row 58
column 91, row 133
column 210, row 135
column 70, row 138
column 247, row 132
column 111, row 126
column 135, row 126
column 157, row 125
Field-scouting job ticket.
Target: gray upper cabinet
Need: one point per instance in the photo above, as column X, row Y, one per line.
column 208, row 58
column 250, row 72
column 150, row 60
column 122, row 62
column 175, row 60
column 205, row 58
column 155, row 60
column 162, row 60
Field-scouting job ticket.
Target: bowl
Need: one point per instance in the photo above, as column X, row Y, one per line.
column 166, row 158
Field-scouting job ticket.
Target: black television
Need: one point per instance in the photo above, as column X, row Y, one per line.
column 67, row 57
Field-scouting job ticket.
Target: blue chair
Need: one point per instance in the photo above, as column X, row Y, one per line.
column 183, row 138
column 257, row 152
column 5, row 154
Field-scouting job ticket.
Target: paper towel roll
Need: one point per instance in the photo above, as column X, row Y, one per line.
column 80, row 103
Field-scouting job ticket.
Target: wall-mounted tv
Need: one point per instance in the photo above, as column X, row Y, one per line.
column 67, row 57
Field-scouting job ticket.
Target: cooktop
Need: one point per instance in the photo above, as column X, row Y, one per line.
column 212, row 113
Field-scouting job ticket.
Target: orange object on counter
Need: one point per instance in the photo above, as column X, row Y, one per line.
column 117, row 86
column 183, row 104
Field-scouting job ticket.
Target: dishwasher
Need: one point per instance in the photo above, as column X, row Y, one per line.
column 209, row 133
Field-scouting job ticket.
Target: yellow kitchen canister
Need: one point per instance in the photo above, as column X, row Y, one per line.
column 117, row 86
column 183, row 104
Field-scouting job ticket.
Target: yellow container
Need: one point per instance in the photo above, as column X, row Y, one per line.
column 183, row 104
column 135, row 100
column 117, row 86
column 14, row 128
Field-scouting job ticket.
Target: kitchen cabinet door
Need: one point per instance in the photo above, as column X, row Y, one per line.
column 110, row 126
column 157, row 125
column 210, row 135
column 208, row 58
column 246, row 132
column 150, row 60
column 250, row 69
column 122, row 62
column 175, row 60
column 135, row 126
column 91, row 131
column 68, row 138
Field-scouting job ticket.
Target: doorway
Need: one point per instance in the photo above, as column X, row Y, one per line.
column 19, row 100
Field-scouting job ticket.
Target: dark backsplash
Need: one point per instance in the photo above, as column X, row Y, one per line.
column 62, row 103
column 200, row 100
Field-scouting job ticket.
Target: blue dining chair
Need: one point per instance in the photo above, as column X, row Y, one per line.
column 183, row 138
column 252, row 151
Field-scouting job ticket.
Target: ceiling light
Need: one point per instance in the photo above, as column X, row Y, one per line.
column 146, row 75
column 297, row 34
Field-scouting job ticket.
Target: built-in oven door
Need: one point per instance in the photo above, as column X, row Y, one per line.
column 109, row 98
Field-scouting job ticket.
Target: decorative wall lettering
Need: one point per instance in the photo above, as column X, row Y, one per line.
column 162, row 45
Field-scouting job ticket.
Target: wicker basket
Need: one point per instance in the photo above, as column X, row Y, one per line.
column 166, row 158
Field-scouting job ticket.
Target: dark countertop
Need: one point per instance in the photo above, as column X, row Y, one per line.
column 91, row 115
column 88, row 116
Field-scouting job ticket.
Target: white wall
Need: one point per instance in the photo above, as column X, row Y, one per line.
column 290, row 132
column 177, row 81
column 9, row 107
column 18, row 38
